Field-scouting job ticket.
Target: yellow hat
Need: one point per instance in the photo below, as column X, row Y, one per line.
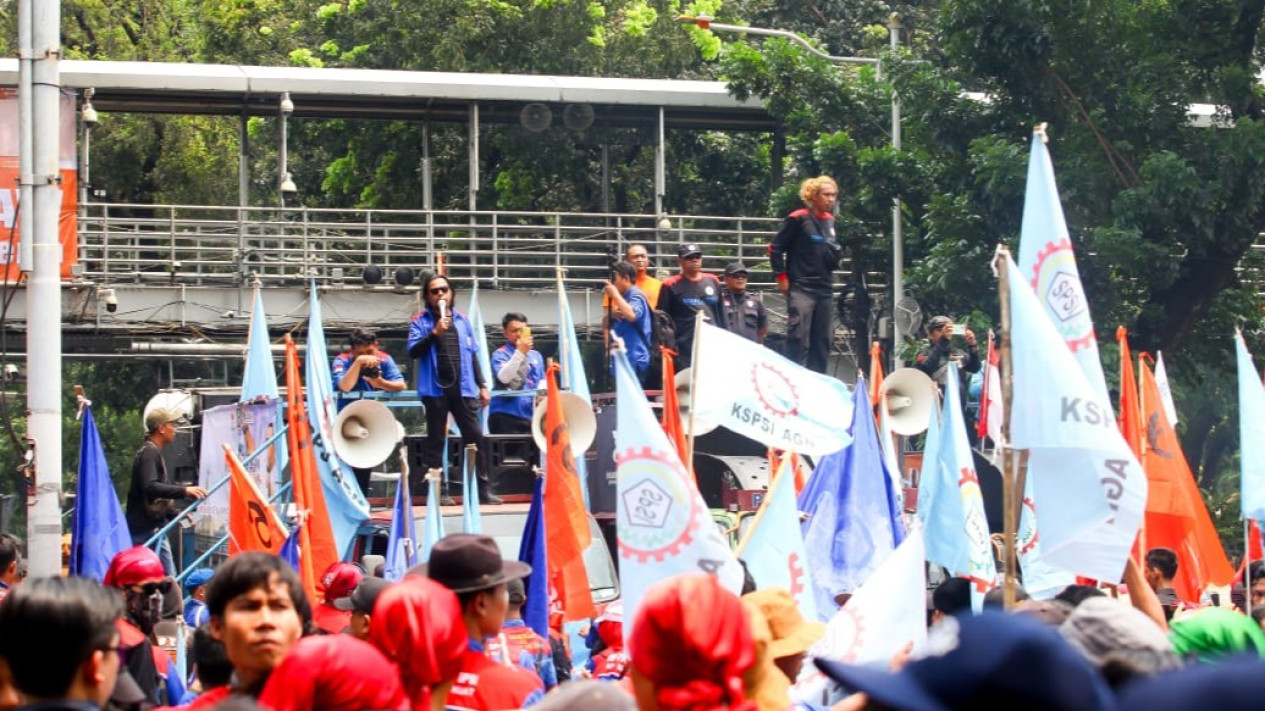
column 792, row 634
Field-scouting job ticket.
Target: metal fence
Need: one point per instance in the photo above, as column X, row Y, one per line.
column 200, row 245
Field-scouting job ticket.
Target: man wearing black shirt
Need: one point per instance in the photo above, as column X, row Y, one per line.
column 804, row 255
column 151, row 497
column 683, row 295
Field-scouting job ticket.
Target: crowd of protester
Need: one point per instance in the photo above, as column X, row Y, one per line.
column 450, row 635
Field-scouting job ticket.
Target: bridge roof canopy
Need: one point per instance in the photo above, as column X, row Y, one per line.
column 221, row 89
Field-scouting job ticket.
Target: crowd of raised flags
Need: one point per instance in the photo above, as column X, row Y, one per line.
column 1100, row 486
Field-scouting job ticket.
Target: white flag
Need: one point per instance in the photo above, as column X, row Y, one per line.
column 1166, row 392
column 745, row 387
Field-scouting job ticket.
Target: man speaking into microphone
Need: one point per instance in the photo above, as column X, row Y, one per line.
column 448, row 378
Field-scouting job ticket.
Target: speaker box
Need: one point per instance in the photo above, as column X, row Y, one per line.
column 601, row 467
column 510, row 459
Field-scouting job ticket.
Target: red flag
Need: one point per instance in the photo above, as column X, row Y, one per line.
column 1130, row 420
column 317, row 549
column 1176, row 516
column 566, row 524
column 876, row 372
column 1254, row 551
column 252, row 523
column 991, row 408
column 671, row 419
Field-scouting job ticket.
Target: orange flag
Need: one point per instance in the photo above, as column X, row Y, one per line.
column 566, row 524
column 876, row 372
column 317, row 549
column 252, row 523
column 1130, row 421
column 671, row 420
column 1176, row 516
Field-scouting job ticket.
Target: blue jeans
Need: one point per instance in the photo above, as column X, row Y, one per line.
column 164, row 550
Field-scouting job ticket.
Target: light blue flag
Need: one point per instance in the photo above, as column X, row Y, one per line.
column 1088, row 490
column 99, row 531
column 1040, row 579
column 402, row 539
column 1251, row 433
column 260, row 379
column 955, row 525
column 182, row 653
column 1048, row 264
column 662, row 523
column 774, row 547
column 471, row 517
column 481, row 347
column 573, row 370
column 344, row 501
column 854, row 521
column 433, row 524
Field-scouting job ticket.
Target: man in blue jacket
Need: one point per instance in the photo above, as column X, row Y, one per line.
column 448, row 377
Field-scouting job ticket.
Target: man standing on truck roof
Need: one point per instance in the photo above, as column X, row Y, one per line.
column 151, row 497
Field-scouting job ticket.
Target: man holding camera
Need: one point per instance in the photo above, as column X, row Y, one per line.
column 362, row 367
column 516, row 366
column 933, row 359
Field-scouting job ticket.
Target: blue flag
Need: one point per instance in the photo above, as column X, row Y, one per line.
column 532, row 551
column 433, row 524
column 290, row 549
column 1252, row 433
column 954, row 523
column 854, row 519
column 100, row 528
column 774, row 547
column 402, row 539
column 344, row 501
column 471, row 518
column 573, row 371
column 260, row 380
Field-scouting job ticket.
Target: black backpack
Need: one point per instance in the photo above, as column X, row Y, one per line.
column 662, row 335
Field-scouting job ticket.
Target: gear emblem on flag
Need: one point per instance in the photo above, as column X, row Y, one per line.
column 775, row 391
column 653, row 522
column 1056, row 281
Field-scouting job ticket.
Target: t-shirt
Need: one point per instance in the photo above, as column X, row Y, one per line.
column 649, row 287
column 636, row 334
column 681, row 299
column 487, row 685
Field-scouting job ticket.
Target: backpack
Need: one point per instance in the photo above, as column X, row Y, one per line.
column 662, row 335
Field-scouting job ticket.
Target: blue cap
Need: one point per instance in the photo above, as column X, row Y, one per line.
column 197, row 578
column 990, row 661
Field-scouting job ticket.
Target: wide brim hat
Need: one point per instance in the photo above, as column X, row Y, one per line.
column 465, row 562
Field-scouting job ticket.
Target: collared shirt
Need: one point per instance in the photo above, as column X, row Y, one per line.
column 195, row 613
column 526, row 372
column 487, row 685
column 637, row 333
column 520, row 644
column 342, row 364
column 745, row 314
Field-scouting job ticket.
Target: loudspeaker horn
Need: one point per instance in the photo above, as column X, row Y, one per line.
column 684, row 398
column 581, row 423
column 365, row 432
column 910, row 396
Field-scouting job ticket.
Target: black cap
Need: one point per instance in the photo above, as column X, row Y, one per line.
column 364, row 596
column 734, row 269
column 688, row 249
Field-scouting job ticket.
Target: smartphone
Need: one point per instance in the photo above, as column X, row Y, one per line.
column 525, row 332
column 959, row 329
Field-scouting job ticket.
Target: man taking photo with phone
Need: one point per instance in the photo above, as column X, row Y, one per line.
column 944, row 341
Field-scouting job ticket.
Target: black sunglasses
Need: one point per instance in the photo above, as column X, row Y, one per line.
column 440, row 290
column 163, row 586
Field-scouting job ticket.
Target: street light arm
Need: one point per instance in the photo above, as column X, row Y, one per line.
column 706, row 24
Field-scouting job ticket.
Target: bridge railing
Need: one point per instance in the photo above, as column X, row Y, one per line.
column 200, row 245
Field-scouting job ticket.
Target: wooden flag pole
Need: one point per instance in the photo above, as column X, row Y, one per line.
column 1010, row 463
column 783, row 473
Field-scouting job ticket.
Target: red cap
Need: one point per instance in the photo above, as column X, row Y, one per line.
column 135, row 566
column 334, row 672
column 417, row 623
column 340, row 579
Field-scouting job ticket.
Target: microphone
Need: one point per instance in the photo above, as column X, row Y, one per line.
column 443, row 308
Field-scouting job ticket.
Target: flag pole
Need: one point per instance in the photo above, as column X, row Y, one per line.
column 564, row 359
column 1010, row 489
column 1247, row 560
column 698, row 329
column 1144, row 444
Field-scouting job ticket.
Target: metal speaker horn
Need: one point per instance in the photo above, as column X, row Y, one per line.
column 910, row 396
column 581, row 423
column 365, row 433
column 685, row 399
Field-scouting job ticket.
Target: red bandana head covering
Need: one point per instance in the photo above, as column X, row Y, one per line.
column 135, row 566
column 333, row 673
column 693, row 641
column 417, row 624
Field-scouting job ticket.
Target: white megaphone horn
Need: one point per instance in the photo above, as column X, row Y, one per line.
column 685, row 399
column 910, row 396
column 365, row 432
column 581, row 423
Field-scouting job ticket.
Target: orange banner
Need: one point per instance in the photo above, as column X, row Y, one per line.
column 1176, row 517
column 671, row 419
column 566, row 525
column 317, row 548
column 253, row 525
column 67, row 221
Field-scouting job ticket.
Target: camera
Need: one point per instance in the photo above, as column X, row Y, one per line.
column 371, row 371
column 110, row 300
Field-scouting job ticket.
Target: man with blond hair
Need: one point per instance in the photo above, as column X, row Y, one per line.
column 804, row 255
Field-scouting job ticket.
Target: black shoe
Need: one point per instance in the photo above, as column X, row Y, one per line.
column 490, row 499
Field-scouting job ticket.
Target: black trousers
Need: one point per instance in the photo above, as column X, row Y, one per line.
column 465, row 412
column 809, row 328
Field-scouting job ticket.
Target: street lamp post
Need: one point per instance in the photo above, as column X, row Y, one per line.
column 898, row 246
